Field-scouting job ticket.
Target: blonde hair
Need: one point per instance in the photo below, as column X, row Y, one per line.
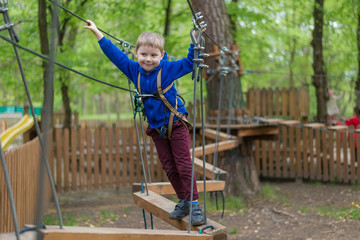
column 150, row 39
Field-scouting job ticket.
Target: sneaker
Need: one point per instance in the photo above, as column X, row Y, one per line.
column 180, row 211
column 197, row 217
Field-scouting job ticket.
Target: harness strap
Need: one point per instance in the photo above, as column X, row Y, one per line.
column 173, row 110
column 167, row 104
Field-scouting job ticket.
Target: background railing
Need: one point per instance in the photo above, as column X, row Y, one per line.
column 23, row 164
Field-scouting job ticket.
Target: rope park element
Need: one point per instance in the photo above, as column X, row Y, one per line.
column 13, row 36
column 198, row 67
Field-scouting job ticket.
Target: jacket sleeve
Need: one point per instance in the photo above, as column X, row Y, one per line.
column 181, row 67
column 117, row 57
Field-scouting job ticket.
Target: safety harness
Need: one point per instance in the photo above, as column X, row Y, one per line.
column 173, row 110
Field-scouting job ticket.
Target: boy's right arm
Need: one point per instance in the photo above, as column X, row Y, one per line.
column 92, row 27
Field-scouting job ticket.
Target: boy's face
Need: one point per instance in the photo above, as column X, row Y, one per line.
column 149, row 57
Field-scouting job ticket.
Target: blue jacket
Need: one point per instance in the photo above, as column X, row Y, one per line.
column 171, row 71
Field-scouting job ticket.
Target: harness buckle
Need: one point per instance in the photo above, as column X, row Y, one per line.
column 163, row 131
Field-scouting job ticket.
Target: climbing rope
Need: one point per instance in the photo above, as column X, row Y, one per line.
column 198, row 67
column 13, row 37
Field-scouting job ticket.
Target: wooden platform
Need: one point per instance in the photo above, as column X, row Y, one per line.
column 163, row 188
column 88, row 233
column 198, row 168
column 210, row 148
column 161, row 207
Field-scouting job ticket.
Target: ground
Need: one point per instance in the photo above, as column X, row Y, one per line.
column 286, row 210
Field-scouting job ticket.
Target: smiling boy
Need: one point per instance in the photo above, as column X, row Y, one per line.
column 165, row 112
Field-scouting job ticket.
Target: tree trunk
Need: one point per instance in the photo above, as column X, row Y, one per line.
column 319, row 78
column 241, row 180
column 48, row 68
column 357, row 83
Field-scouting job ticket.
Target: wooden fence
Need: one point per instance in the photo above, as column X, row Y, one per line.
column 102, row 158
column 310, row 152
column 293, row 103
column 23, row 168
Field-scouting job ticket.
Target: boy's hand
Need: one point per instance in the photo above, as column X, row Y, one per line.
column 91, row 26
column 196, row 34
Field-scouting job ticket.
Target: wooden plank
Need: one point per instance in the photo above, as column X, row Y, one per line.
column 305, row 151
column 96, row 158
column 263, row 105
column 124, row 168
column 210, row 148
column 103, row 156
column 271, row 121
column 117, row 158
column 298, row 163
column 352, row 155
column 263, row 158
column 277, row 102
column 291, row 151
column 318, row 154
column 82, row 158
column 164, row 188
column 257, row 102
column 338, row 156
column 258, row 131
column 210, row 133
column 271, row 158
column 251, row 101
column 110, row 158
column 161, row 207
column 59, row 187
column 324, row 159
column 291, row 102
column 345, row 158
column 198, row 168
column 66, row 146
column 88, row 233
column 277, row 156
column 331, row 154
column 284, row 147
column 314, row 125
column 290, row 122
column 257, row 156
column 338, row 127
column 284, row 102
column 73, row 159
column 270, row 101
column 89, row 183
column 358, row 156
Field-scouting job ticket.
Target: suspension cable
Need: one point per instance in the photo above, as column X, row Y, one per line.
column 37, row 128
column 82, row 19
column 198, row 66
column 62, row 65
column 138, row 138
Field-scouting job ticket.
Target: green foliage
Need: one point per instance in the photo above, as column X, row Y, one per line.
column 268, row 34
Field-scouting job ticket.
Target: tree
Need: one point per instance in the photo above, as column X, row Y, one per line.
column 357, row 83
column 48, row 68
column 242, row 174
column 319, row 77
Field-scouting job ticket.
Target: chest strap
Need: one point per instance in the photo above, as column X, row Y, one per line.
column 173, row 110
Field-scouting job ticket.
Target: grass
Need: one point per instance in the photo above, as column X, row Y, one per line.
column 342, row 213
column 68, row 219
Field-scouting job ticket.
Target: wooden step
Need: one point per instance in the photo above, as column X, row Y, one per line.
column 210, row 133
column 198, row 168
column 221, row 146
column 55, row 233
column 163, row 188
column 161, row 207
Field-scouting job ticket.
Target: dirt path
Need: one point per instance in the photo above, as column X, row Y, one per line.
column 289, row 211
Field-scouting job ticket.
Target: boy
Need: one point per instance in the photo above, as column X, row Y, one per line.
column 167, row 128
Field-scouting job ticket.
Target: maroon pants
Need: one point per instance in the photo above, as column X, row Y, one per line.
column 176, row 160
